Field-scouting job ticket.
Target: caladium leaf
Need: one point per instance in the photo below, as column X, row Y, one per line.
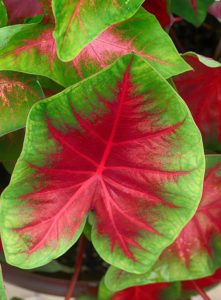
column 215, row 10
column 10, row 148
column 31, row 49
column 156, row 291
column 160, row 9
column 18, row 92
column 78, row 22
column 18, row 10
column 121, row 144
column 195, row 253
column 127, row 37
column 3, row 15
column 194, row 11
column 2, row 288
column 47, row 7
column 201, row 90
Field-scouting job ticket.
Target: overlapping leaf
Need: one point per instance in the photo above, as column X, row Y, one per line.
column 201, row 90
column 31, row 49
column 18, row 10
column 18, row 92
column 78, row 22
column 3, row 15
column 121, row 144
column 2, row 288
column 126, row 37
column 160, row 9
column 194, row 11
column 215, row 10
column 195, row 253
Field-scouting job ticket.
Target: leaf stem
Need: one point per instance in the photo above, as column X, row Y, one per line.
column 78, row 263
column 201, row 292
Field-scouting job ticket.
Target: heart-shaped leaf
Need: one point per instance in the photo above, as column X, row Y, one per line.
column 18, row 10
column 121, row 144
column 160, row 9
column 78, row 22
column 18, row 92
column 127, row 37
column 3, row 15
column 201, row 90
column 31, row 49
column 194, row 11
column 195, row 253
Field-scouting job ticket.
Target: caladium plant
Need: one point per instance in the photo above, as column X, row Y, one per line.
column 104, row 125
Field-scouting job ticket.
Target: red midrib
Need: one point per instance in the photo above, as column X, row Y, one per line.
column 121, row 97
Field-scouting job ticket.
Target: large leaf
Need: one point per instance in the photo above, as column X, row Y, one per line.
column 78, row 22
column 18, row 10
column 201, row 90
column 121, row 144
column 31, row 49
column 194, row 11
column 3, row 15
column 18, row 92
column 2, row 288
column 128, row 36
column 195, row 253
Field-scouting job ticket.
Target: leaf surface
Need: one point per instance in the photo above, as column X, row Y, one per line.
column 160, row 9
column 121, row 145
column 78, row 22
column 194, row 11
column 215, row 10
column 201, row 90
column 3, row 15
column 195, row 253
column 18, row 10
column 18, row 92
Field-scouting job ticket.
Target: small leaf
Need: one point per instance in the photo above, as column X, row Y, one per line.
column 18, row 10
column 121, row 144
column 10, row 149
column 157, row 291
column 215, row 10
column 194, row 11
column 2, row 288
column 195, row 253
column 78, row 22
column 126, row 37
column 18, row 92
column 201, row 90
column 3, row 15
column 160, row 9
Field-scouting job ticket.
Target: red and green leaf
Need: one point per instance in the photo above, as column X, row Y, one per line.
column 31, row 49
column 194, row 11
column 157, row 291
column 78, row 22
column 159, row 8
column 201, row 90
column 18, row 92
column 3, row 15
column 121, row 145
column 195, row 253
column 127, row 37
column 18, row 10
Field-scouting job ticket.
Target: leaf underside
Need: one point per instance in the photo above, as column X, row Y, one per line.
column 121, row 146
